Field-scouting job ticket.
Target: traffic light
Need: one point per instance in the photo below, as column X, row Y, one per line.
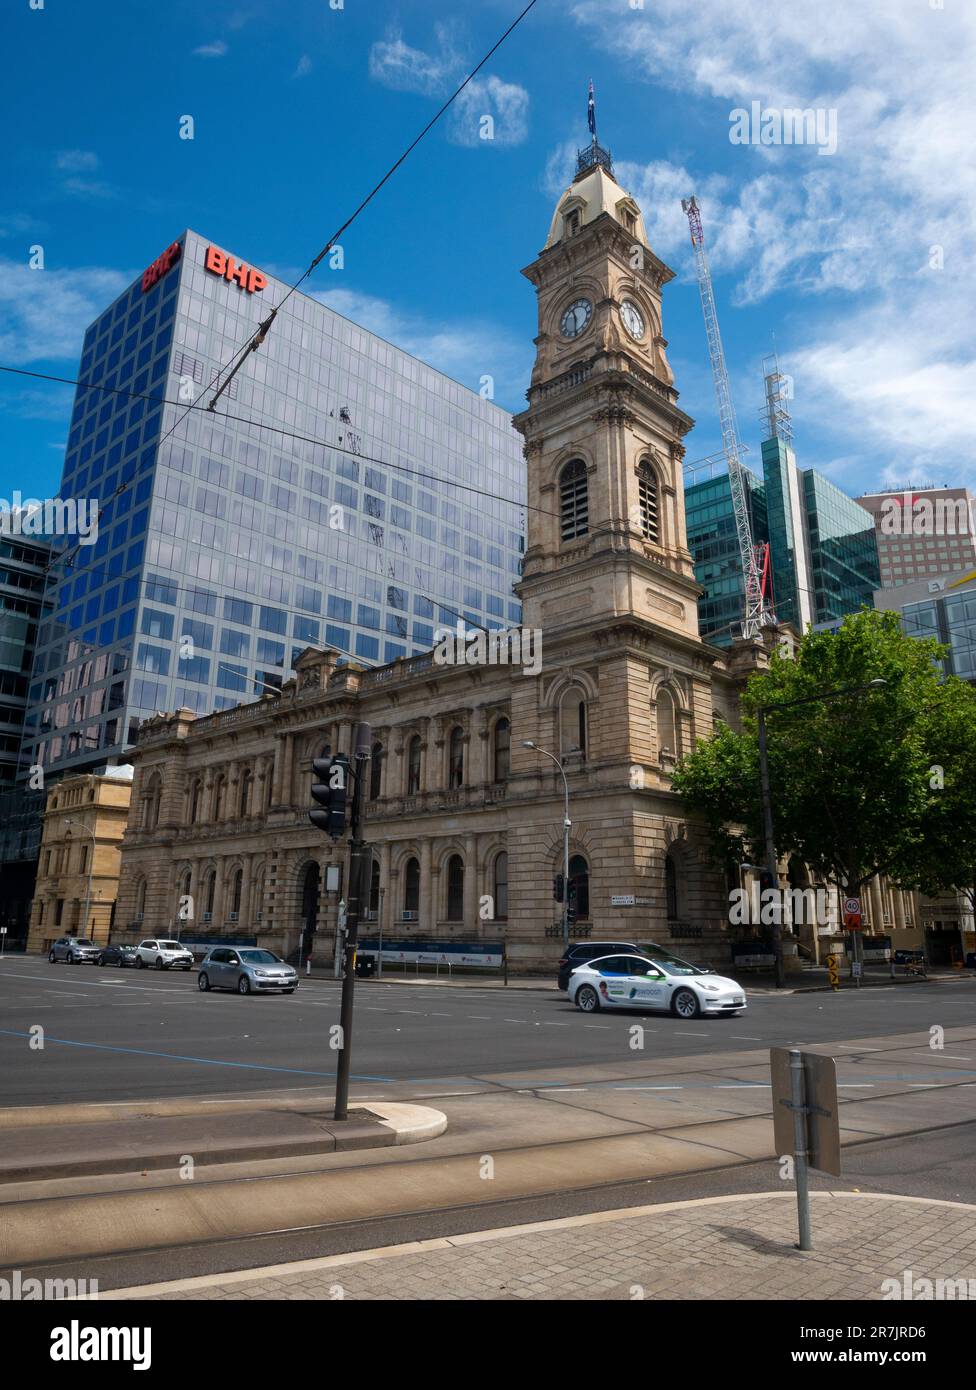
column 558, row 888
column 330, row 790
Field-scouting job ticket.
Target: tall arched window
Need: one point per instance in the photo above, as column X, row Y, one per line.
column 210, row 890
column 579, row 887
column 574, row 512
column 219, row 789
column 572, row 723
column 671, row 889
column 411, row 886
column 413, row 765
column 184, row 901
column 244, row 804
column 647, row 494
column 376, row 771
column 374, row 888
column 455, row 888
column 150, row 807
column 667, row 733
column 455, row 759
column 236, row 891
column 501, row 886
column 503, row 750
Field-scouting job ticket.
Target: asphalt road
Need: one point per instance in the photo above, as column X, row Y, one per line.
column 127, row 1035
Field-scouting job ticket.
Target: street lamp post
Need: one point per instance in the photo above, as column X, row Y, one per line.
column 91, row 869
column 379, row 957
column 767, row 802
column 567, row 825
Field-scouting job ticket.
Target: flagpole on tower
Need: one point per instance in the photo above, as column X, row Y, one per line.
column 591, row 114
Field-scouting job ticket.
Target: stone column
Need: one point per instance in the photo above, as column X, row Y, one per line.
column 480, row 751
column 385, row 903
column 471, row 922
column 428, row 911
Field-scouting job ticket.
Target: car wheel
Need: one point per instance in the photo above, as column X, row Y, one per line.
column 685, row 1004
column 71, row 957
column 203, row 983
column 140, row 963
column 99, row 960
column 159, row 963
column 243, row 985
column 587, row 999
column 52, row 957
column 288, row 991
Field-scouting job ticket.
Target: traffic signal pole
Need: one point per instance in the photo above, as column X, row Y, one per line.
column 359, row 874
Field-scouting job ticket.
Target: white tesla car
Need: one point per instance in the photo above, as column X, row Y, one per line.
column 638, row 982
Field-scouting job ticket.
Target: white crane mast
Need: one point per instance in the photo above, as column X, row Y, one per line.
column 756, row 611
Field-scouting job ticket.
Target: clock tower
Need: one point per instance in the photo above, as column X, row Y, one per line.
column 603, row 431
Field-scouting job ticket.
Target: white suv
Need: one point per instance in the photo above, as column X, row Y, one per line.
column 164, row 955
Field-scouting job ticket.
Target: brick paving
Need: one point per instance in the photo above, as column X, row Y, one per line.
column 737, row 1248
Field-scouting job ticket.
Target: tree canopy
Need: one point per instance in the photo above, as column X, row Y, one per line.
column 874, row 780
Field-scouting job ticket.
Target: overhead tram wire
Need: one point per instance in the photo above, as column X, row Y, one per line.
column 255, row 341
column 286, row 434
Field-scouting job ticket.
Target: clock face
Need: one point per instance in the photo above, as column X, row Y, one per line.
column 575, row 318
column 633, row 319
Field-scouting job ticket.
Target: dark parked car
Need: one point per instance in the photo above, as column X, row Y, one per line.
column 582, row 951
column 116, row 955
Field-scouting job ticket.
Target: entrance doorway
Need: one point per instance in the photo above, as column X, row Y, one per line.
column 943, row 944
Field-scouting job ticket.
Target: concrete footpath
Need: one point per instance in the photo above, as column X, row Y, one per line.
column 868, row 1247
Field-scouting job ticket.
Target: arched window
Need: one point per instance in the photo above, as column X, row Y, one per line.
column 503, row 750
column 671, row 889
column 501, row 886
column 647, row 495
column 573, row 505
column 219, row 789
column 579, row 887
column 374, row 888
column 411, row 886
column 667, row 734
column 244, row 805
column 184, row 892
column 210, row 890
column 455, row 888
column 455, row 760
column 376, row 771
column 572, row 723
column 150, row 805
column 413, row 765
column 257, row 900
column 236, row 891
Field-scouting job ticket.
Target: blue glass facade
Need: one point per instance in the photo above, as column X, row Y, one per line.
column 235, row 544
column 844, row 563
column 714, row 544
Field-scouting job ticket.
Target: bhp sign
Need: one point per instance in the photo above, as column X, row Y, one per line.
column 218, row 263
column 161, row 265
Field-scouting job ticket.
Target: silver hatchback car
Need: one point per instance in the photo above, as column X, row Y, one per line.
column 248, row 969
column 73, row 949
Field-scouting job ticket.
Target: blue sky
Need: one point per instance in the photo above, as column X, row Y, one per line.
column 860, row 261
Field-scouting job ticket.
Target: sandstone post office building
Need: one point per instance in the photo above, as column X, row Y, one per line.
column 460, row 813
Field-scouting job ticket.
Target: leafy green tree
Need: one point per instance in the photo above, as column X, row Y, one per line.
column 854, row 786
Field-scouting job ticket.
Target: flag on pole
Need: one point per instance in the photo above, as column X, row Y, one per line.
column 591, row 112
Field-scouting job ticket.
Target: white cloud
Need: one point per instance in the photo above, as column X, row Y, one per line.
column 467, row 350
column 76, row 161
column 217, row 49
column 395, row 64
column 505, row 102
column 44, row 313
column 304, row 66
column 892, row 357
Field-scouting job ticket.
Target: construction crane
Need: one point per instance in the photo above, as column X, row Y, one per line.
column 755, row 560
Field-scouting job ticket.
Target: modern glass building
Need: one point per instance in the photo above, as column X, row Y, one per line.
column 943, row 608
column 789, row 549
column 844, row 564
column 23, row 563
column 320, row 504
column 714, row 544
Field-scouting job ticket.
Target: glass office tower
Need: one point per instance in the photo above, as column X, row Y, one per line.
column 319, row 505
column 844, row 563
column 23, row 566
column 714, row 545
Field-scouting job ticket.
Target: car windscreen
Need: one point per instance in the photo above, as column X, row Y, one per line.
column 678, row 967
column 260, row 958
column 170, row 946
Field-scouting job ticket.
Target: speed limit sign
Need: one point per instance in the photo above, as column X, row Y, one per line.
column 852, row 913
